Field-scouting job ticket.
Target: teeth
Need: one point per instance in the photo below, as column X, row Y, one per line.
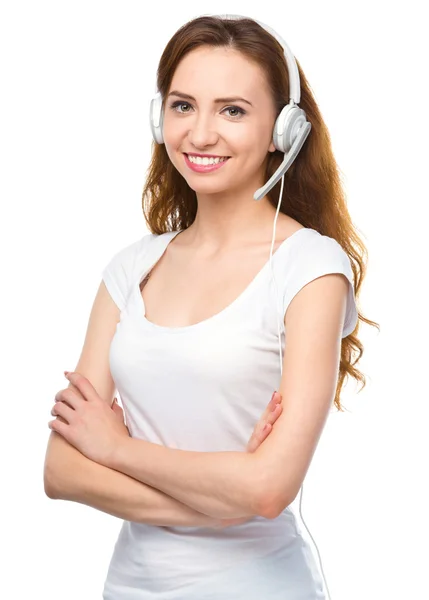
column 198, row 160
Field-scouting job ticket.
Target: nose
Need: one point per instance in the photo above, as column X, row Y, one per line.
column 201, row 132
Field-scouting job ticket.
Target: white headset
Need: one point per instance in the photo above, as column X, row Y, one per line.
column 289, row 134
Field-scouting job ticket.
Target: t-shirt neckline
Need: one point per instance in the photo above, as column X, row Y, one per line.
column 169, row 236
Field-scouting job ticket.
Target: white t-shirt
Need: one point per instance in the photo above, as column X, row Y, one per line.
column 203, row 387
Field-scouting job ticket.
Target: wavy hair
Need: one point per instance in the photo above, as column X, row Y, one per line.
column 313, row 193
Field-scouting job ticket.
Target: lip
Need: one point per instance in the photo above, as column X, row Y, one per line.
column 203, row 168
column 206, row 155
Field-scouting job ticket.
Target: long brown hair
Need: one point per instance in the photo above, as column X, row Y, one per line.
column 312, row 194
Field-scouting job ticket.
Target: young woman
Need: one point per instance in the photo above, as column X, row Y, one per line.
column 184, row 325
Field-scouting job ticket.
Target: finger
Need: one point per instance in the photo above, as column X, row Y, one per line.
column 267, row 414
column 257, row 438
column 71, row 397
column 269, row 417
column 54, row 411
column 118, row 411
column 74, row 388
column 265, row 431
column 275, row 399
column 71, row 389
column 58, row 426
column 273, row 415
column 64, row 411
column 260, row 432
column 84, row 386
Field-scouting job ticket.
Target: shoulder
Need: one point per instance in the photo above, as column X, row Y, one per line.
column 311, row 248
column 312, row 255
column 139, row 248
column 129, row 254
column 119, row 272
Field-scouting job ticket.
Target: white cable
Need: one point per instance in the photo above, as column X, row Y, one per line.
column 280, row 320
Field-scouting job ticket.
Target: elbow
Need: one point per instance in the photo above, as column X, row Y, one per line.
column 48, row 482
column 272, row 496
column 50, row 493
column 267, row 499
column 269, row 508
column 265, row 502
column 49, row 488
column 59, row 463
column 272, row 501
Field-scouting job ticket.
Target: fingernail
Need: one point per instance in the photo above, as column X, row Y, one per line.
column 273, row 409
column 66, row 373
column 274, row 393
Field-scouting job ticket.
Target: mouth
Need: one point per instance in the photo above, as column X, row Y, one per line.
column 205, row 168
column 187, row 155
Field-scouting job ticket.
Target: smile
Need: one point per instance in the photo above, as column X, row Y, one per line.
column 200, row 168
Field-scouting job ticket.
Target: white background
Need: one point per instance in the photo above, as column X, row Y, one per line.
column 76, row 83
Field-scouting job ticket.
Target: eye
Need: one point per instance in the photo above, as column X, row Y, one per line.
column 241, row 111
column 178, row 103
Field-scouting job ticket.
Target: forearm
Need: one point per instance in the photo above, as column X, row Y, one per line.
column 220, row 484
column 79, row 479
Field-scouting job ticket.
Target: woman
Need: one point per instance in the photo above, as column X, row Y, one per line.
column 192, row 340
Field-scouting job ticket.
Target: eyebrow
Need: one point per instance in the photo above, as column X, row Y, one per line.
column 217, row 100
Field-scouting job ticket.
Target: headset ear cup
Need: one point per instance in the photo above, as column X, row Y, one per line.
column 286, row 127
column 156, row 118
column 161, row 125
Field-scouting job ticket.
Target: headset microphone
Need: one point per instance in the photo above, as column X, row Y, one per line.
column 289, row 157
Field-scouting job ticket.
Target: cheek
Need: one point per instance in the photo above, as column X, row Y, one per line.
column 172, row 147
column 173, row 130
column 244, row 141
column 169, row 150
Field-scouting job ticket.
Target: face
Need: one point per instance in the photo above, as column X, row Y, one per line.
column 234, row 129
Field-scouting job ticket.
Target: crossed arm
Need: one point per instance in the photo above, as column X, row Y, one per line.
column 230, row 484
column 69, row 475
column 219, row 484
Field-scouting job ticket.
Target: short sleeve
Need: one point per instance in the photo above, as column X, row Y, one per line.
column 313, row 257
column 119, row 273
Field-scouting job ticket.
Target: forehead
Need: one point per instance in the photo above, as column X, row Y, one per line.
column 211, row 72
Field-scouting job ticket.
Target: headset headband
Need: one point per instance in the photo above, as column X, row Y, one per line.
column 294, row 83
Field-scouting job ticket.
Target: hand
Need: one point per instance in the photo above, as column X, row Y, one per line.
column 258, row 436
column 87, row 422
column 269, row 417
column 119, row 413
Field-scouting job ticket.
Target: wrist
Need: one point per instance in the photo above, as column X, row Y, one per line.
column 117, row 458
